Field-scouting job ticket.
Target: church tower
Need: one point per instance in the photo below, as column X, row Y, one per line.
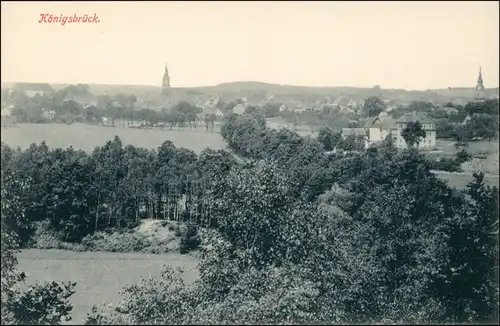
column 165, row 85
column 480, row 86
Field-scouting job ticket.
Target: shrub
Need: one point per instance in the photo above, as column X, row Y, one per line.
column 190, row 239
column 445, row 164
column 41, row 304
column 46, row 238
column 116, row 242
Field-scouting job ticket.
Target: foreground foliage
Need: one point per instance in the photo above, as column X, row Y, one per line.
column 303, row 237
column 40, row 304
column 389, row 244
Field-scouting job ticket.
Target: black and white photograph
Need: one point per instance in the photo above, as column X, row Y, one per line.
column 250, row 162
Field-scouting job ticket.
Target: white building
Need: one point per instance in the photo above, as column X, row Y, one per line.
column 33, row 93
column 239, row 109
column 7, row 111
column 379, row 129
column 219, row 113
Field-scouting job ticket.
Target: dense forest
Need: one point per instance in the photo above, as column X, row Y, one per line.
column 300, row 236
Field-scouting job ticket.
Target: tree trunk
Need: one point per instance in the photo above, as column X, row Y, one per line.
column 97, row 216
column 168, row 203
column 164, row 207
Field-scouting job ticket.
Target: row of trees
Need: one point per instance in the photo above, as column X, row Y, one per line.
column 114, row 186
column 121, row 107
column 386, row 242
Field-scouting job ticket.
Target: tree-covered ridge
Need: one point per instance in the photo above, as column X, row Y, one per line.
column 114, row 186
column 301, row 236
column 391, row 244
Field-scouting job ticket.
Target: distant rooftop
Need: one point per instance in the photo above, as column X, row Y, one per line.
column 383, row 123
column 414, row 117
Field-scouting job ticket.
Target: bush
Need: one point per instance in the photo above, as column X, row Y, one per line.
column 41, row 304
column 190, row 239
column 116, row 242
column 46, row 238
column 445, row 164
column 154, row 241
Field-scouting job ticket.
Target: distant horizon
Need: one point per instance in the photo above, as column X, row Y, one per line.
column 250, row 81
column 396, row 45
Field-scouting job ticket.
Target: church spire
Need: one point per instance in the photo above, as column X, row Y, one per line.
column 165, row 85
column 479, row 85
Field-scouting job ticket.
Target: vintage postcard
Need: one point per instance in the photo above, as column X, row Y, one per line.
column 250, row 162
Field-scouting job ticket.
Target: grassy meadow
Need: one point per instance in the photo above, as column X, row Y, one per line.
column 100, row 276
column 460, row 180
column 474, row 147
column 86, row 137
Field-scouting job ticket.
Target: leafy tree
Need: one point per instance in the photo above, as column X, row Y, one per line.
column 271, row 110
column 421, row 106
column 470, row 283
column 413, row 133
column 41, row 304
column 373, row 106
column 209, row 119
column 250, row 109
column 483, row 107
column 462, row 156
column 329, row 138
column 353, row 143
column 186, row 110
column 481, row 126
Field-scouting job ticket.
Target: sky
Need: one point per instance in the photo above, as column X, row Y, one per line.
column 411, row 45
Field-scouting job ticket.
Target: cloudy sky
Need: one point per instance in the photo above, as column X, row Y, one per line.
column 395, row 45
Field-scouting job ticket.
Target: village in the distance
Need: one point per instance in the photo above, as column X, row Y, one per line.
column 302, row 109
column 365, row 114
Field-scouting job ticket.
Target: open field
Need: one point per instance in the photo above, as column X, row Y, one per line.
column 487, row 161
column 100, row 276
column 460, row 180
column 474, row 147
column 86, row 137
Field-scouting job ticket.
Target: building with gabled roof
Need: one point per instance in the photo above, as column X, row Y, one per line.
column 379, row 128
